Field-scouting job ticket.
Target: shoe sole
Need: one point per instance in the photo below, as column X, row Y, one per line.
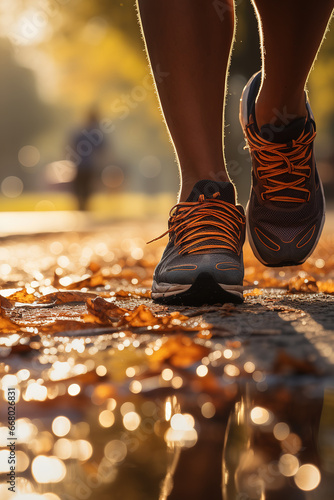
column 243, row 118
column 204, row 290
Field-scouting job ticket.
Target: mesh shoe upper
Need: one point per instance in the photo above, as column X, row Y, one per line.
column 206, row 234
column 286, row 208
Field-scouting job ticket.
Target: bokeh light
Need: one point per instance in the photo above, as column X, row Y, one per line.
column 150, row 166
column 260, row 416
column 11, row 186
column 48, row 469
column 281, row 431
column 115, row 451
column 308, row 477
column 208, row 409
column 61, row 426
column 29, row 156
column 74, row 389
column 131, row 421
column 106, row 418
column 288, row 465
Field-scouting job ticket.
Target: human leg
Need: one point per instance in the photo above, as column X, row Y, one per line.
column 291, row 33
column 286, row 210
column 191, row 44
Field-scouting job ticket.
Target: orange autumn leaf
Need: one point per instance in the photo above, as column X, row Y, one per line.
column 123, row 294
column 253, row 293
column 104, row 310
column 127, row 274
column 302, row 284
column 174, row 318
column 22, row 296
column 61, row 325
column 65, row 297
column 179, row 351
column 94, row 266
column 140, row 316
column 7, row 326
column 93, row 319
column 326, row 286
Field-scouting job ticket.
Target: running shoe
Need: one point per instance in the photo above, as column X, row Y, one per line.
column 202, row 262
column 286, row 210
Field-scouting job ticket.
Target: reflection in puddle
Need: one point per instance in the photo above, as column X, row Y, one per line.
column 97, row 421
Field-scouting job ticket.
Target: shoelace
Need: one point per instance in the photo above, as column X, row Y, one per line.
column 276, row 159
column 189, row 222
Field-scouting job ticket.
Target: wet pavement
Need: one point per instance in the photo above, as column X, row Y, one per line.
column 118, row 397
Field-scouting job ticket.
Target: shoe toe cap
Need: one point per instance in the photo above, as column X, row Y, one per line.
column 279, row 246
column 227, row 269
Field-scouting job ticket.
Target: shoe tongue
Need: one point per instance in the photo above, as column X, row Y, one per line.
column 209, row 188
column 285, row 134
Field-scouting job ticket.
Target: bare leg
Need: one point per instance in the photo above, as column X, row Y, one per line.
column 291, row 33
column 189, row 40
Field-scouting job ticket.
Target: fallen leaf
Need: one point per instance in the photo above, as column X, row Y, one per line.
column 104, row 310
column 326, row 286
column 7, row 326
column 174, row 318
column 94, row 267
column 179, row 351
column 302, row 284
column 65, row 297
column 22, row 296
column 253, row 293
column 140, row 316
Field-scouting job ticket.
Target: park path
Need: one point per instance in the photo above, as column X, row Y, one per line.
column 122, row 397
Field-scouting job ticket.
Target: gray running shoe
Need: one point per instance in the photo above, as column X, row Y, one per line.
column 202, row 262
column 286, row 210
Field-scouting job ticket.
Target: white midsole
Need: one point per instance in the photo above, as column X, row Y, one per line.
column 167, row 289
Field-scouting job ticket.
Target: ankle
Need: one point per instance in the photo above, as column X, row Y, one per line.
column 188, row 182
column 279, row 112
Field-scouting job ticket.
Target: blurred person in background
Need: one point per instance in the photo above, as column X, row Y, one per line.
column 191, row 42
column 87, row 150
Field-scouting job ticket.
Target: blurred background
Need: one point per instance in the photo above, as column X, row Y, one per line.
column 80, row 126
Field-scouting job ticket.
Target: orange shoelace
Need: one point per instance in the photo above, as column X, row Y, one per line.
column 189, row 222
column 278, row 159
